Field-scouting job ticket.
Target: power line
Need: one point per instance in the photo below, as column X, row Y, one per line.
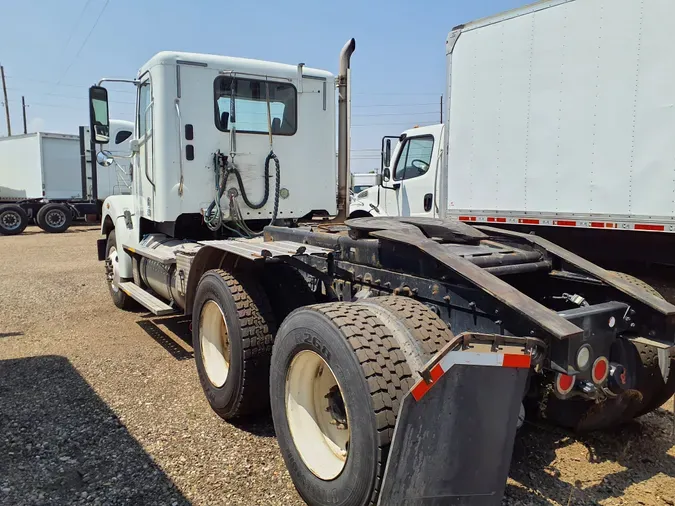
column 394, row 105
column 393, row 114
column 397, row 94
column 413, row 123
column 77, row 54
column 51, row 83
column 72, row 31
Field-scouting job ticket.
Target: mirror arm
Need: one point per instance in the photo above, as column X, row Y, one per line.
column 135, row 82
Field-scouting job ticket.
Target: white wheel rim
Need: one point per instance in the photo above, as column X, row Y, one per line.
column 115, row 264
column 214, row 343
column 321, row 441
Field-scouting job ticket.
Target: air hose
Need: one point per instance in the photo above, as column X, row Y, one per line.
column 224, row 167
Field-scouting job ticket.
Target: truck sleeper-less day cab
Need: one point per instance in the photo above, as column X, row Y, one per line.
column 533, row 145
column 389, row 349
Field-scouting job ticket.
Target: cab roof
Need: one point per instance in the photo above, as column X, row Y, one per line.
column 222, row 63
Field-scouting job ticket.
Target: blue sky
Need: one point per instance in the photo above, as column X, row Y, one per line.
column 398, row 70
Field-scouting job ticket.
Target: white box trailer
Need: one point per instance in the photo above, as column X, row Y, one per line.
column 53, row 178
column 560, row 120
column 40, row 165
column 561, row 114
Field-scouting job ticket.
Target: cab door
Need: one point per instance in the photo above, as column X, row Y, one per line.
column 144, row 169
column 414, row 174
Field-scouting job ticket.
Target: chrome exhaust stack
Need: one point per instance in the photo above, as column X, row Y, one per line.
column 343, row 132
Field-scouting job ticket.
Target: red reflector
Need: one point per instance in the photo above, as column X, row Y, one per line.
column 528, row 221
column 564, row 382
column 518, row 361
column 564, row 223
column 652, row 228
column 501, row 220
column 600, row 370
column 597, row 224
column 491, row 219
column 464, row 218
column 423, row 387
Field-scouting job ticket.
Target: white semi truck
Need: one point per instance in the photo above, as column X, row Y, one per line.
column 389, row 349
column 559, row 121
column 53, row 178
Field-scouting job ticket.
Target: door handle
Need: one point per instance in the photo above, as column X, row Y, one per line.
column 428, row 202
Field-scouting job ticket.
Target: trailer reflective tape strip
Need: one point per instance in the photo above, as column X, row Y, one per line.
column 528, row 221
column 516, row 361
column 651, row 228
column 511, row 360
column 565, row 223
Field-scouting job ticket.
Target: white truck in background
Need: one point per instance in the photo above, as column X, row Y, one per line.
column 53, row 178
column 560, row 120
column 363, row 180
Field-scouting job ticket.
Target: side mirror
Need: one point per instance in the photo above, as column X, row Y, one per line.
column 387, row 153
column 134, row 146
column 386, row 174
column 104, row 158
column 99, row 119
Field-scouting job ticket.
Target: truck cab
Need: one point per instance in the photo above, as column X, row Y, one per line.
column 410, row 182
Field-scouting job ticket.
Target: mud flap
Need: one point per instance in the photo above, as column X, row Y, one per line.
column 455, row 430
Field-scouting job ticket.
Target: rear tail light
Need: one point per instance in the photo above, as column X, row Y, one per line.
column 600, row 370
column 564, row 383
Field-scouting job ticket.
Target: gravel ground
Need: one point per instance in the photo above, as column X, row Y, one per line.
column 94, row 410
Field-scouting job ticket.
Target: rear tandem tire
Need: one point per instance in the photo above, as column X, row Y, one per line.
column 232, row 335
column 655, row 391
column 13, row 219
column 353, row 349
column 54, row 218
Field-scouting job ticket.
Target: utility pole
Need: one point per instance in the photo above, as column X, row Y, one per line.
column 23, row 107
column 4, row 91
column 441, row 108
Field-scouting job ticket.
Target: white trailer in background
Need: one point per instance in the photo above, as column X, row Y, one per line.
column 53, row 178
column 560, row 119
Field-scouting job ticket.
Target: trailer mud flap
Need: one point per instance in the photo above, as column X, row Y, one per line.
column 455, row 431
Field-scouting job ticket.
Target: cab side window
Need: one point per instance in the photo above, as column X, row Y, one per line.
column 144, row 109
column 122, row 136
column 415, row 158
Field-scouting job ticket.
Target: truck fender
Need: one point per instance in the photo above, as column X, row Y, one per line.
column 118, row 214
column 362, row 208
column 207, row 258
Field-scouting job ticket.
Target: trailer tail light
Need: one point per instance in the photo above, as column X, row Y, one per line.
column 564, row 383
column 600, row 370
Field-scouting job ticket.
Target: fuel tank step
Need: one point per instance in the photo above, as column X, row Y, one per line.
column 145, row 299
column 158, row 255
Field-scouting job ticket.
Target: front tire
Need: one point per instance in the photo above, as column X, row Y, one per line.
column 367, row 376
column 13, row 220
column 232, row 335
column 120, row 299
